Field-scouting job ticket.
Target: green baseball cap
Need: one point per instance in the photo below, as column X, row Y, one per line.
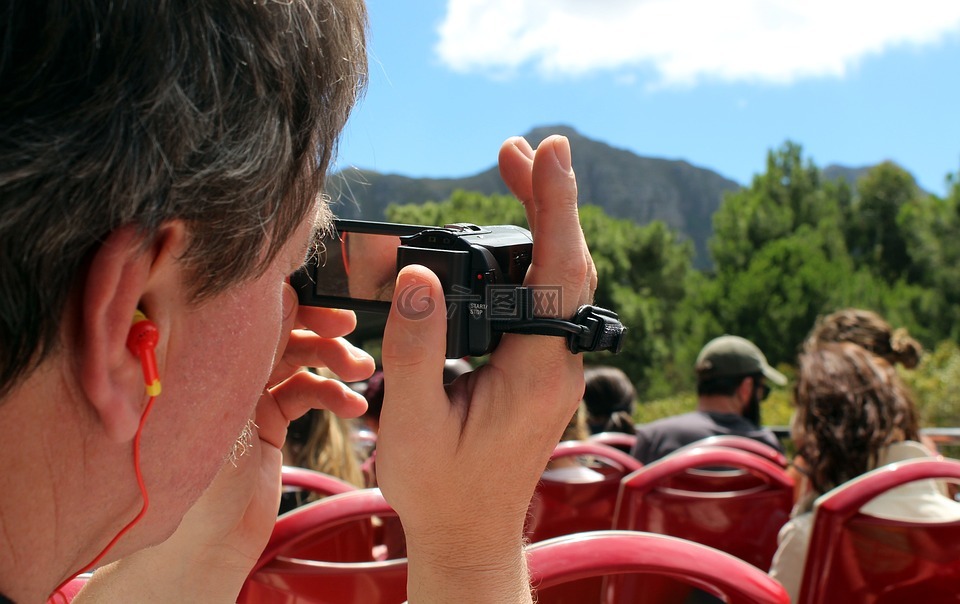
column 731, row 356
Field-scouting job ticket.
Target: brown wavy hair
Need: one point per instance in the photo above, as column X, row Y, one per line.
column 869, row 330
column 850, row 404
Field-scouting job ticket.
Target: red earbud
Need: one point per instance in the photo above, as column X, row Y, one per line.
column 142, row 341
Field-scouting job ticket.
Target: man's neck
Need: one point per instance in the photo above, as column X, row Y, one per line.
column 37, row 506
column 729, row 405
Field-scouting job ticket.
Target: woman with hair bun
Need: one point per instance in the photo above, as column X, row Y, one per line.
column 853, row 414
column 870, row 331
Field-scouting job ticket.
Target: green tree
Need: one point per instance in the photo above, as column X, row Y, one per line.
column 463, row 206
column 873, row 232
column 929, row 226
column 642, row 273
column 936, row 385
column 779, row 257
column 778, row 202
column 776, row 299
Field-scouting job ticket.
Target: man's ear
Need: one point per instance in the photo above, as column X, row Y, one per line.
column 125, row 274
column 745, row 391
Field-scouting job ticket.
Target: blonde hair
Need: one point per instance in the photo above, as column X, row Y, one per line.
column 325, row 446
column 577, row 426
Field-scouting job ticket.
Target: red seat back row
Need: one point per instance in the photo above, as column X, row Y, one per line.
column 855, row 557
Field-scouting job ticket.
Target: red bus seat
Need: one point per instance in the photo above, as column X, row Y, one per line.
column 854, row 557
column 618, row 440
column 744, row 444
column 315, row 482
column 626, row 566
column 738, row 509
column 331, row 551
column 561, row 508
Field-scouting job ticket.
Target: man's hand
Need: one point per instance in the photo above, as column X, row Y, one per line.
column 460, row 464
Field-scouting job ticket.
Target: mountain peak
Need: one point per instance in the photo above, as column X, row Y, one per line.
column 536, row 135
column 624, row 184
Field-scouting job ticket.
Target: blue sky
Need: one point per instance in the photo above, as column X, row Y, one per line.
column 716, row 83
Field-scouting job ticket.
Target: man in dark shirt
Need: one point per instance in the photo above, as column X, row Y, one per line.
column 731, row 383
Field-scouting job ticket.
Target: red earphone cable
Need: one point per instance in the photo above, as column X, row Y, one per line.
column 136, row 519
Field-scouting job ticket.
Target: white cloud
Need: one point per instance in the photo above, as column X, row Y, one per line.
column 685, row 41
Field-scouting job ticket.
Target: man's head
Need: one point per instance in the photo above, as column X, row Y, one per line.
column 609, row 397
column 169, row 157
column 731, row 366
column 221, row 115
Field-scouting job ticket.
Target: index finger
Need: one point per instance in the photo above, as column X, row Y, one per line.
column 516, row 167
column 326, row 322
column 559, row 251
column 560, row 268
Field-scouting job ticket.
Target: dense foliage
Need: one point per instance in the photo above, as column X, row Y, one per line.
column 786, row 249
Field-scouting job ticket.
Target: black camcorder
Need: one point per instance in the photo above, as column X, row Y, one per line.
column 481, row 270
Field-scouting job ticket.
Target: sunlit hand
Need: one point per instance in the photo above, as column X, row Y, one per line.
column 460, row 465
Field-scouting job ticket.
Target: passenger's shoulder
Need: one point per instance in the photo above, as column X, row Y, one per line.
column 673, row 420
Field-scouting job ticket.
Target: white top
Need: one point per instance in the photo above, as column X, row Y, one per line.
column 918, row 501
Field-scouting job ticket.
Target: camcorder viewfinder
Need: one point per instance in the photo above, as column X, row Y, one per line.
column 481, row 270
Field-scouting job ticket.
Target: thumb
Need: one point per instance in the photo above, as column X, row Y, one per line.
column 414, row 341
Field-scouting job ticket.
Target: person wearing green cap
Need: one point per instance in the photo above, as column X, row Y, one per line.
column 732, row 375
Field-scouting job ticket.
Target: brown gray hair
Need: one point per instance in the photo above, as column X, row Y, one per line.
column 870, row 331
column 223, row 114
column 850, row 404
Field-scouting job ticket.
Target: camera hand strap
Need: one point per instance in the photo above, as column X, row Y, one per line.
column 589, row 330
